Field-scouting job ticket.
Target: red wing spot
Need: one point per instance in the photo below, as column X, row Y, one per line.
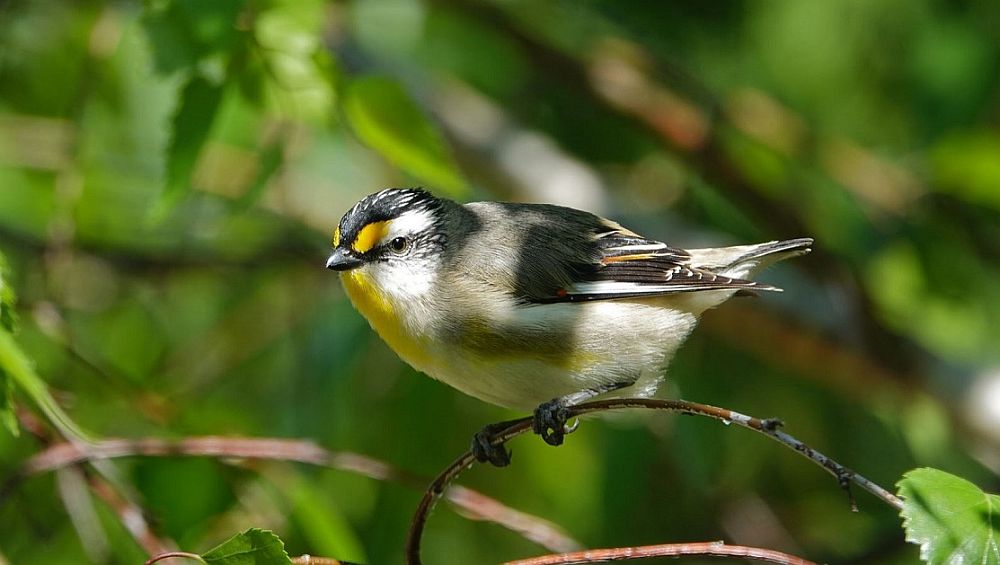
column 561, row 292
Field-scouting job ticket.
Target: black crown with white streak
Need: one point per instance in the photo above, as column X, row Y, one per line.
column 385, row 205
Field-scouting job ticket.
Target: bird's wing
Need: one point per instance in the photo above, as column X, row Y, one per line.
column 626, row 265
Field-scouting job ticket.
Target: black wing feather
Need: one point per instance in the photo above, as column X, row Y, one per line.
column 646, row 267
column 567, row 255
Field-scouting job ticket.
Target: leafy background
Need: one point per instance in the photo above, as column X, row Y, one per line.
column 170, row 172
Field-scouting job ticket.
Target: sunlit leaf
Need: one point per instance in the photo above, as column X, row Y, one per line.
column 299, row 70
column 252, row 547
column 951, row 519
column 191, row 124
column 384, row 117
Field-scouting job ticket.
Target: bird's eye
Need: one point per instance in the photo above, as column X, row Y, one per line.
column 398, row 244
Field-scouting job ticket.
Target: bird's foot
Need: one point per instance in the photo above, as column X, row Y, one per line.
column 550, row 421
column 485, row 451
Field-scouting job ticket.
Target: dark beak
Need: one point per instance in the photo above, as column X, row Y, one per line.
column 343, row 260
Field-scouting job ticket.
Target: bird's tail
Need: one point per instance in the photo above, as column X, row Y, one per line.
column 743, row 261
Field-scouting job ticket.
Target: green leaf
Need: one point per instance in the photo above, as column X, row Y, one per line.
column 951, row 519
column 252, row 547
column 191, row 124
column 8, row 318
column 15, row 364
column 183, row 33
column 7, row 323
column 384, row 117
column 299, row 73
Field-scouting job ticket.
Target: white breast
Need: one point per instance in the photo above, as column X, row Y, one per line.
column 605, row 342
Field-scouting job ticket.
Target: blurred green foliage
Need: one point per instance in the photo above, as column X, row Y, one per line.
column 7, row 323
column 170, row 173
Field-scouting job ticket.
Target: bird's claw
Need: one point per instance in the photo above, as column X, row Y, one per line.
column 550, row 421
column 485, row 451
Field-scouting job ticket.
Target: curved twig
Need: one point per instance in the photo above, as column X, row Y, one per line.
column 173, row 555
column 313, row 560
column 299, row 560
column 707, row 548
column 768, row 427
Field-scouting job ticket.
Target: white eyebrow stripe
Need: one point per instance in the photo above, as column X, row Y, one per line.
column 409, row 223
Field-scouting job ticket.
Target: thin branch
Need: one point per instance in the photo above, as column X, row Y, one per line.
column 708, row 548
column 172, row 555
column 313, row 560
column 474, row 504
column 299, row 560
column 768, row 427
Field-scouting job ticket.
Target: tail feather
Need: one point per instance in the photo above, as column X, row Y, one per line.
column 743, row 261
column 774, row 251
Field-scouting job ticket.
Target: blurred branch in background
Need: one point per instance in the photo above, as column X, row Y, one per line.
column 76, row 485
column 707, row 549
column 470, row 503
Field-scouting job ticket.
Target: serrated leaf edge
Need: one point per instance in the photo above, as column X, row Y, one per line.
column 991, row 542
column 280, row 543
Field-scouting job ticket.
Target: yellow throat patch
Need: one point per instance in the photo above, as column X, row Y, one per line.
column 383, row 317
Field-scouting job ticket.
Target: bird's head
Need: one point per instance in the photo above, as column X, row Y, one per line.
column 391, row 242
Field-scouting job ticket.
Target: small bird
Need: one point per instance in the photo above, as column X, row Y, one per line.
column 532, row 307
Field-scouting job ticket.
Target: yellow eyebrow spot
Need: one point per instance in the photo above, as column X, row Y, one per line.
column 336, row 237
column 369, row 236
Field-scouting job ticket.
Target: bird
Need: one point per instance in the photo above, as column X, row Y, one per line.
column 532, row 307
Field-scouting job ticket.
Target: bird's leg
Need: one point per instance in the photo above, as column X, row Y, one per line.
column 550, row 417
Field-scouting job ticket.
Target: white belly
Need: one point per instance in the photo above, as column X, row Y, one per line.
column 575, row 347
